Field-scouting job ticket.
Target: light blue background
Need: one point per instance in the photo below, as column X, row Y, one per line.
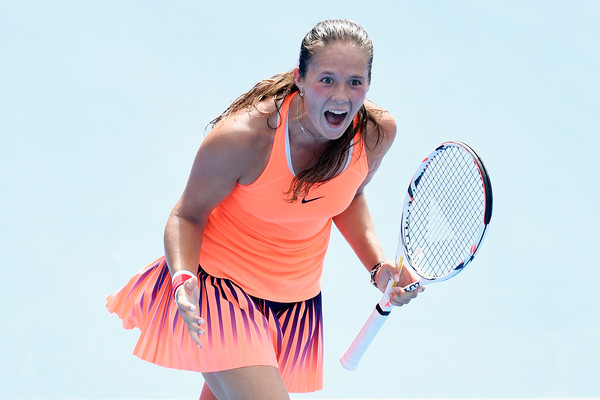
column 103, row 105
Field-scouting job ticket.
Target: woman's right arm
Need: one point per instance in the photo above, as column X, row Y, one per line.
column 213, row 176
column 218, row 166
column 235, row 151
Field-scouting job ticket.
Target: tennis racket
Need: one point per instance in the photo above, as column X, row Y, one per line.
column 446, row 213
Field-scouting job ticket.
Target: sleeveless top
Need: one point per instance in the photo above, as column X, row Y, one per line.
column 271, row 247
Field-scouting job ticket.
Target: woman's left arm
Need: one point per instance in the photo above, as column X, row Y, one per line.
column 356, row 225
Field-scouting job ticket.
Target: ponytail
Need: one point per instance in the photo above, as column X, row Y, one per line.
column 277, row 87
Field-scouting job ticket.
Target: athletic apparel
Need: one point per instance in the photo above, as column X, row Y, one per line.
column 262, row 259
column 271, row 247
column 241, row 330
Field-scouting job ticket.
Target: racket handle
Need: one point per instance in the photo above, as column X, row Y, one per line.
column 363, row 339
column 369, row 330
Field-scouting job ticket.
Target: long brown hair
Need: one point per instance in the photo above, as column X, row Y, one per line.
column 331, row 161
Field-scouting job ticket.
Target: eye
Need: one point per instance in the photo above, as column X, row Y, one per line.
column 327, row 80
column 355, row 82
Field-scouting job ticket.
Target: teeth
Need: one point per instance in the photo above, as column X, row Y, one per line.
column 337, row 112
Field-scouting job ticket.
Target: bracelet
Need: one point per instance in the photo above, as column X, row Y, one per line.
column 374, row 272
column 179, row 279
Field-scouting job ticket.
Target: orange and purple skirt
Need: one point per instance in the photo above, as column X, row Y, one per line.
column 241, row 330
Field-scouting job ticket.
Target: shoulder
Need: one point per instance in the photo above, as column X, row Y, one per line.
column 381, row 129
column 378, row 138
column 234, row 152
column 241, row 142
column 383, row 117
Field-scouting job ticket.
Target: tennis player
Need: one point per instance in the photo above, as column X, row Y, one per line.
column 237, row 295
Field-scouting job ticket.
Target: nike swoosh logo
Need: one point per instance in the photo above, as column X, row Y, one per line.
column 309, row 200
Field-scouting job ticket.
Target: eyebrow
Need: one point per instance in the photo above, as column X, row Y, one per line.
column 351, row 76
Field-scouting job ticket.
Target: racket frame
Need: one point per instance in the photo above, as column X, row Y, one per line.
column 404, row 240
column 351, row 358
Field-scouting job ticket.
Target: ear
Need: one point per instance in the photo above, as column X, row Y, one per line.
column 298, row 78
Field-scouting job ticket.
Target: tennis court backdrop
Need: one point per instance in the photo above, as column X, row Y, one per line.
column 103, row 105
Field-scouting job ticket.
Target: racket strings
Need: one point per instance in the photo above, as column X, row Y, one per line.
column 446, row 214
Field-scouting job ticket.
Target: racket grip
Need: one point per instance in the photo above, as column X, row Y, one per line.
column 363, row 339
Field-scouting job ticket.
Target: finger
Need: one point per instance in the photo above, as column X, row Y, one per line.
column 197, row 326
column 185, row 305
column 400, row 301
column 195, row 334
column 196, row 329
column 400, row 297
column 387, row 272
column 191, row 318
column 392, row 270
column 395, row 273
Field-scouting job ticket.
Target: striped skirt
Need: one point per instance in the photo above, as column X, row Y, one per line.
column 241, row 330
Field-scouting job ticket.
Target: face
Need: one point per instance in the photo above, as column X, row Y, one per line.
column 335, row 86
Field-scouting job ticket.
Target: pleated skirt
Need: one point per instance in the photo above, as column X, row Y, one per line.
column 241, row 330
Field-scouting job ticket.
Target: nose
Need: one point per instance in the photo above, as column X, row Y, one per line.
column 339, row 94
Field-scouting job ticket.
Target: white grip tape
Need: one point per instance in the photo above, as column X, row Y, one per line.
column 352, row 356
column 369, row 330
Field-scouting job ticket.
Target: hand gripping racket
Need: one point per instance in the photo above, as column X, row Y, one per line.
column 446, row 213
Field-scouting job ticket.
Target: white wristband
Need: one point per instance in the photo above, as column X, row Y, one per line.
column 178, row 279
column 181, row 272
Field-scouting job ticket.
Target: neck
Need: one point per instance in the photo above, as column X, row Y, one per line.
column 303, row 135
column 299, row 117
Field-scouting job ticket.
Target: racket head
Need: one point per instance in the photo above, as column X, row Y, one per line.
column 446, row 213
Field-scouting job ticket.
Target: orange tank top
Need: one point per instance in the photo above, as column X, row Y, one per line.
column 272, row 248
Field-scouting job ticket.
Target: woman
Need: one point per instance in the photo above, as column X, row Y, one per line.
column 245, row 244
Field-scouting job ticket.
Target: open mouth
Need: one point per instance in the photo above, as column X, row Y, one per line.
column 335, row 118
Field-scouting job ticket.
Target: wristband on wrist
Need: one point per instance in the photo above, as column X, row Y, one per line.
column 179, row 279
column 374, row 272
